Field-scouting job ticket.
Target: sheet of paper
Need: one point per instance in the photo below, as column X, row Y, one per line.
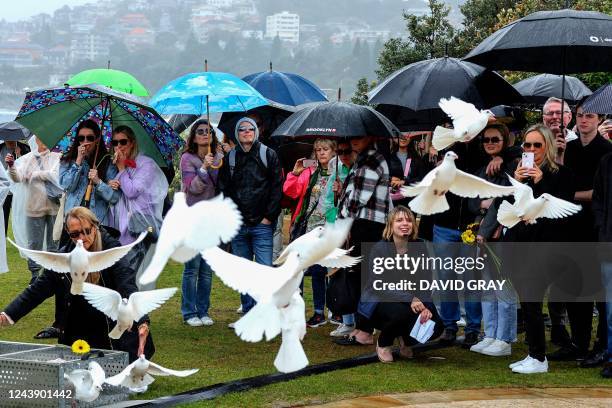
column 422, row 332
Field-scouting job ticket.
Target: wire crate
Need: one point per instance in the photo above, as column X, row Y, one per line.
column 26, row 367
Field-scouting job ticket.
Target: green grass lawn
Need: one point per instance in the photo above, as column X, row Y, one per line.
column 222, row 356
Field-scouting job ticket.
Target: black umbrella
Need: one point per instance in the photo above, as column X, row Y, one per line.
column 272, row 116
column 13, row 131
column 600, row 102
column 181, row 121
column 537, row 89
column 410, row 96
column 336, row 119
column 557, row 42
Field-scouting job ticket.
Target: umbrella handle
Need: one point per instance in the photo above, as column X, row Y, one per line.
column 212, row 166
column 88, row 193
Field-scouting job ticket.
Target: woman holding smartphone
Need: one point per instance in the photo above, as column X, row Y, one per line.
column 545, row 176
column 307, row 184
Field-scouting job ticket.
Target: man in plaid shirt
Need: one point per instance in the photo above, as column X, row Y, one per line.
column 365, row 197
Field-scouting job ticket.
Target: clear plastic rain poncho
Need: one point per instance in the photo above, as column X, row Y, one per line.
column 4, row 190
column 30, row 197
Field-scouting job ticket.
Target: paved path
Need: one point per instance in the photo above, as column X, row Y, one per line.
column 486, row 398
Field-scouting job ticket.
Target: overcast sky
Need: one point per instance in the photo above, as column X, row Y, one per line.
column 22, row 9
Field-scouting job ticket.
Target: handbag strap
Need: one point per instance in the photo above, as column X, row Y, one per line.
column 407, row 169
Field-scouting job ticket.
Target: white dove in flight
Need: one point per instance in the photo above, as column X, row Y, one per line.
column 430, row 192
column 125, row 311
column 79, row 262
column 138, row 375
column 87, row 383
column 468, row 122
column 322, row 246
column 272, row 288
column 529, row 209
column 187, row 230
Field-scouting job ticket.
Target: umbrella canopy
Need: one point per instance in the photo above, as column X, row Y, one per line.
column 410, row 96
column 13, row 131
column 537, row 89
column 118, row 80
column 220, row 91
column 180, row 122
column 272, row 116
column 557, row 42
column 54, row 115
column 600, row 102
column 285, row 88
column 289, row 153
column 336, row 119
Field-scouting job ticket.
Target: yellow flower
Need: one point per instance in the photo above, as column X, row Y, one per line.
column 468, row 237
column 80, row 347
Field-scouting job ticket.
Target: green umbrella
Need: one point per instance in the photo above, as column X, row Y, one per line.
column 111, row 78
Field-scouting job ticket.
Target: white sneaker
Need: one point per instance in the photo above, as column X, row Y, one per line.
column 521, row 362
column 497, row 348
column 478, row 347
column 342, row 330
column 239, row 310
column 207, row 321
column 461, row 322
column 532, row 366
column 194, row 321
column 232, row 325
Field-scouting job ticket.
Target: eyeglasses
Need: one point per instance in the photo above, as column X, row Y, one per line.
column 76, row 234
column 117, row 142
column 342, row 152
column 555, row 113
column 493, row 139
column 536, row 145
column 201, row 132
column 246, row 129
column 90, row 138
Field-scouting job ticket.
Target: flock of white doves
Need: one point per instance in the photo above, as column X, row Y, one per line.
column 198, row 229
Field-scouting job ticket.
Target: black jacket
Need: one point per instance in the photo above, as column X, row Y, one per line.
column 602, row 199
column 80, row 320
column 559, row 184
column 255, row 188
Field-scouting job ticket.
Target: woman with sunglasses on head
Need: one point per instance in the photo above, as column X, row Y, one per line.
column 143, row 188
column 78, row 169
column 200, row 163
column 531, row 283
column 498, row 309
column 80, row 320
column 307, row 184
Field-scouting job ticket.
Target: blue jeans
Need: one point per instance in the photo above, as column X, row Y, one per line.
column 499, row 309
column 606, row 276
column 319, row 285
column 449, row 309
column 257, row 241
column 197, row 283
column 39, row 230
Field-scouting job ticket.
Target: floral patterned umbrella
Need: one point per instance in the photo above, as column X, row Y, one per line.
column 54, row 115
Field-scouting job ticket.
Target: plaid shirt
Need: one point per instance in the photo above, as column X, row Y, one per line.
column 365, row 193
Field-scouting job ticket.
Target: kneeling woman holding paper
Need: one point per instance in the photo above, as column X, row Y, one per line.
column 403, row 315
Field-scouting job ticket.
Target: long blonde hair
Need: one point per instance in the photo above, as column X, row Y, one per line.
column 393, row 214
column 85, row 214
column 550, row 154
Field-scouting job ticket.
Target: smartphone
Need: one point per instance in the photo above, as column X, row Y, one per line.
column 527, row 160
column 309, row 163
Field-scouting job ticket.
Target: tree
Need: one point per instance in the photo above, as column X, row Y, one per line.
column 360, row 97
column 429, row 36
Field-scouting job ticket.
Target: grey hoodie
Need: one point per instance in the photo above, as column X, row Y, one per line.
column 252, row 122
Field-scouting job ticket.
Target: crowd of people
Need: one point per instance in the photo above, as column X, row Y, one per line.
column 111, row 197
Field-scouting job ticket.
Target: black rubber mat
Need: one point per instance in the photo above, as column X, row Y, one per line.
column 216, row 390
